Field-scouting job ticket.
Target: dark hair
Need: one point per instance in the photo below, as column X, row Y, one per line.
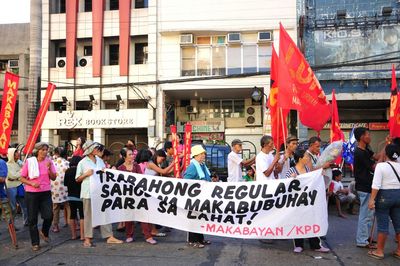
column 100, row 147
column 123, row 152
column 392, row 152
column 158, row 153
column 83, row 140
column 312, row 140
column 73, row 162
column 396, row 141
column 359, row 132
column 298, row 154
column 265, row 140
column 248, row 168
column 336, row 173
column 61, row 151
column 143, row 155
column 167, row 145
column 107, row 152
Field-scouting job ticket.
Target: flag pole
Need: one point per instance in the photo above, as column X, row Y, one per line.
column 283, row 126
column 277, row 135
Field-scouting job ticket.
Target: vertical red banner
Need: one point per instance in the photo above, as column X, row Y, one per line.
column 39, row 119
column 71, row 14
column 97, row 40
column 124, row 36
column 188, row 146
column 10, row 93
column 175, row 144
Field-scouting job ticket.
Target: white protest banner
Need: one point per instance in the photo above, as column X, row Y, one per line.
column 277, row 209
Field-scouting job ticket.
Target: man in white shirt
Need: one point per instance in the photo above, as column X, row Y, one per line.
column 287, row 160
column 236, row 162
column 266, row 160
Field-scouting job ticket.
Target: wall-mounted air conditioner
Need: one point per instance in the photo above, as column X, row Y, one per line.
column 61, row 62
column 190, row 109
column 234, row 38
column 265, row 36
column 13, row 63
column 253, row 115
column 186, row 39
column 85, row 61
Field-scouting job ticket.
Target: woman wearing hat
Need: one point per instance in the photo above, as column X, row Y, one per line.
column 88, row 166
column 385, row 199
column 197, row 170
column 36, row 174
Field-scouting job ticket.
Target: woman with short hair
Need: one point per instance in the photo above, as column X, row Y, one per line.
column 36, row 174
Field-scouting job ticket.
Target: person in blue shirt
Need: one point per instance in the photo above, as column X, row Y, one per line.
column 197, row 170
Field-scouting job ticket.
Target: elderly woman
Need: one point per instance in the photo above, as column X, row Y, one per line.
column 36, row 174
column 197, row 170
column 86, row 168
column 385, row 199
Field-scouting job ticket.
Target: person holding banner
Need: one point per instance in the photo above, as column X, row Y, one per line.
column 197, row 170
column 87, row 168
column 385, row 199
column 266, row 161
column 287, row 156
column 301, row 168
column 130, row 166
column 236, row 162
column 36, row 174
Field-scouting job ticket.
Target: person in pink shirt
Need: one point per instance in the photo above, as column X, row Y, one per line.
column 36, row 174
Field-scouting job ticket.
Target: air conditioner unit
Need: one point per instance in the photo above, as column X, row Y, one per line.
column 13, row 63
column 234, row 38
column 253, row 115
column 85, row 61
column 61, row 62
column 265, row 36
column 191, row 109
column 186, row 39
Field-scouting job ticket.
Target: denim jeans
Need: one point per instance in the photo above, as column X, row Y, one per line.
column 365, row 218
column 387, row 205
column 14, row 198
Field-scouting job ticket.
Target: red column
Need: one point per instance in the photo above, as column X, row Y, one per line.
column 97, row 40
column 71, row 17
column 124, row 36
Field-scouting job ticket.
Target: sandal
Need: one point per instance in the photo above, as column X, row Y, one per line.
column 370, row 246
column 36, row 248
column 159, row 235
column 372, row 254
column 88, row 245
column 42, row 236
column 196, row 245
column 396, row 255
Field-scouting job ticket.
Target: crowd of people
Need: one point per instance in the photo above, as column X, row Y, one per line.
column 49, row 183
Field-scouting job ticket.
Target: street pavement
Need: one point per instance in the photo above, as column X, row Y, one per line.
column 172, row 250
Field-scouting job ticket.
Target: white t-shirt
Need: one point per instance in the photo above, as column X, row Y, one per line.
column 384, row 176
column 234, row 167
column 263, row 162
column 337, row 185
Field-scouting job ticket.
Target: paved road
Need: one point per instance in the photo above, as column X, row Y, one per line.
column 172, row 250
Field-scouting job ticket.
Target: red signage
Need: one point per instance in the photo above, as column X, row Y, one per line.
column 188, row 146
column 10, row 93
column 175, row 148
column 378, row 126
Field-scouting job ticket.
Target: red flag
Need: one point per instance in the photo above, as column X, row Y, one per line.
column 278, row 116
column 39, row 119
column 188, row 146
column 336, row 132
column 299, row 89
column 394, row 115
column 10, row 93
column 175, row 144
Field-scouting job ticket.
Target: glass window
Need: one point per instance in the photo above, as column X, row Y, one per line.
column 141, row 3
column 215, row 109
column 218, row 60
column 264, row 57
column 87, row 50
column 238, row 108
column 203, row 61
column 114, row 54
column 141, row 53
column 227, row 108
column 249, row 59
column 114, row 5
column 88, row 5
column 234, row 60
column 62, row 52
column 188, row 61
column 203, row 40
column 218, row 40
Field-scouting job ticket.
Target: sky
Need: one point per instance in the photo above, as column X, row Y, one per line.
column 14, row 11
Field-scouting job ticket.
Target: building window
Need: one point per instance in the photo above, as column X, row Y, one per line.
column 249, row 58
column 141, row 3
column 264, row 57
column 114, row 5
column 114, row 54
column 141, row 53
column 188, row 61
column 234, row 60
column 203, row 61
column 88, row 6
column 87, row 50
column 219, row 59
column 57, row 6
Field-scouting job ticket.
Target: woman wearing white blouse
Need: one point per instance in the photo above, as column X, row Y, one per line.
column 385, row 199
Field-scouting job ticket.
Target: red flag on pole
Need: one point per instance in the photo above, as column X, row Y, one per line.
column 9, row 99
column 278, row 116
column 39, row 119
column 175, row 144
column 299, row 89
column 394, row 115
column 336, row 132
column 188, row 146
